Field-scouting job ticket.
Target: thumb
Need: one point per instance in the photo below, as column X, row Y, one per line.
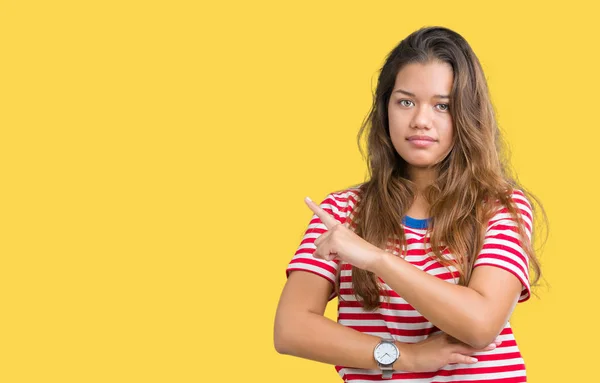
column 463, row 359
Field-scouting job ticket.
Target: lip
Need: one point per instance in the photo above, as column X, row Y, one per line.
column 421, row 141
column 421, row 138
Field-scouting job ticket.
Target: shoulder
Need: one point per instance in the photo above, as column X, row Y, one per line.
column 341, row 203
column 523, row 208
column 521, row 201
column 346, row 197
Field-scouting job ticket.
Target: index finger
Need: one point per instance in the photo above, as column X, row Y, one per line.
column 324, row 216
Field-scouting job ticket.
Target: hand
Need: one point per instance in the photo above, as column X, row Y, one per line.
column 342, row 243
column 440, row 350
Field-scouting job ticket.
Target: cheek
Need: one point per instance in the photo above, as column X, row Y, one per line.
column 447, row 136
column 447, row 129
column 397, row 132
column 397, row 122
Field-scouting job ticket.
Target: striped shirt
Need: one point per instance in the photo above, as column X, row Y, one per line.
column 398, row 319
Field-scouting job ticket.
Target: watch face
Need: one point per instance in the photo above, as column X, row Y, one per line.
column 386, row 353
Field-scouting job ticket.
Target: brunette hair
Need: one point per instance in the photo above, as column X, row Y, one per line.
column 473, row 181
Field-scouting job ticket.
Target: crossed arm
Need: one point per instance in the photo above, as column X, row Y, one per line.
column 302, row 330
column 473, row 314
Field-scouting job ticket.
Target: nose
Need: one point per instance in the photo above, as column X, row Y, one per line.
column 422, row 117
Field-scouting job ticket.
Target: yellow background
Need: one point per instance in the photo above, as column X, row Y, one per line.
column 154, row 156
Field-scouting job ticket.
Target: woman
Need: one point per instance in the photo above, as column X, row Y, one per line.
column 428, row 257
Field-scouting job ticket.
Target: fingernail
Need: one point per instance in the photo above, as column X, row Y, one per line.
column 493, row 345
column 474, row 360
column 308, row 199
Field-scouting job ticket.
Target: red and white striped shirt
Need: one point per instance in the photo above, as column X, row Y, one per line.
column 398, row 319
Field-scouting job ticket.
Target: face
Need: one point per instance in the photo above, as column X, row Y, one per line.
column 419, row 116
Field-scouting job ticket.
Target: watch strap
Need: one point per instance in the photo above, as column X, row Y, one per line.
column 387, row 369
column 386, row 372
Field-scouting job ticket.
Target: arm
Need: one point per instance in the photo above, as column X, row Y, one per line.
column 477, row 313
column 301, row 330
column 473, row 314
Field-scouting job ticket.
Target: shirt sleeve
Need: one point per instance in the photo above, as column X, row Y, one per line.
column 336, row 205
column 502, row 246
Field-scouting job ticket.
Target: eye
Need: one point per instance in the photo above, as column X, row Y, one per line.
column 445, row 107
column 405, row 103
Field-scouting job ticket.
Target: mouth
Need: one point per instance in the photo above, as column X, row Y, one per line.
column 421, row 141
column 421, row 138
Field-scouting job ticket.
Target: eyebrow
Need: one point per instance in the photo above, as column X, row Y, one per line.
column 412, row 94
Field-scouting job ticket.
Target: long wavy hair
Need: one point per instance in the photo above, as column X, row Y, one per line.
column 474, row 171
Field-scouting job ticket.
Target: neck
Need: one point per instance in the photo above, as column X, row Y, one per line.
column 419, row 209
column 422, row 177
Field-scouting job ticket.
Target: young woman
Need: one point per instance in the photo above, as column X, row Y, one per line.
column 429, row 257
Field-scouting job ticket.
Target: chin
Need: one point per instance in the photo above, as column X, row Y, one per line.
column 420, row 162
column 422, row 165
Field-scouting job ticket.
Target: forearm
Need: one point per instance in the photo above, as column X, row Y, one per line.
column 456, row 310
column 315, row 337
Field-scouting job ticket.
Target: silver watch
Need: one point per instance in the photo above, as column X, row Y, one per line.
column 386, row 353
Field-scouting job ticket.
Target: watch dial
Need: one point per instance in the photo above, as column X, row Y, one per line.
column 386, row 353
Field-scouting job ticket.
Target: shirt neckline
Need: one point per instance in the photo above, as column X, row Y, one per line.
column 415, row 223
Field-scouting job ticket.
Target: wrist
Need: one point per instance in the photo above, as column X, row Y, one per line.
column 404, row 361
column 378, row 262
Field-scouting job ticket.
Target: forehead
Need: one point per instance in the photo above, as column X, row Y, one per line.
column 425, row 79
